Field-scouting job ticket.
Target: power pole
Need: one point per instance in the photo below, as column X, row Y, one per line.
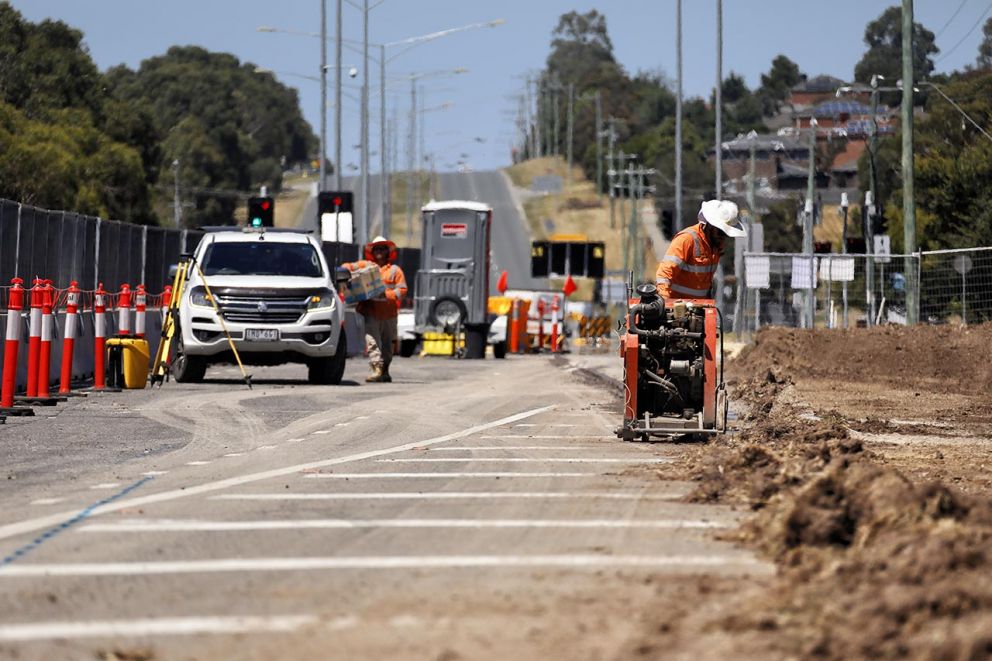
column 741, row 298
column 908, row 200
column 599, row 143
column 810, row 298
column 678, row 116
column 635, row 207
column 411, row 160
column 337, row 100
column 719, row 100
column 871, row 204
column 612, row 137
column 557, row 119
column 383, row 163
column 363, row 226
column 538, row 133
column 321, row 182
column 177, row 212
column 568, row 131
column 623, row 213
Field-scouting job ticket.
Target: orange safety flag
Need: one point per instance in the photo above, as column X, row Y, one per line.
column 501, row 283
column 569, row 288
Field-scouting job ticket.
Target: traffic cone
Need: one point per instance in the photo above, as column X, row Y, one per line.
column 554, row 325
column 140, row 299
column 100, row 337
column 69, row 341
column 10, row 351
column 124, row 310
column 34, row 336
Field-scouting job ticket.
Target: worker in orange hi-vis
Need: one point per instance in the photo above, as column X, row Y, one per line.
column 380, row 314
column 694, row 254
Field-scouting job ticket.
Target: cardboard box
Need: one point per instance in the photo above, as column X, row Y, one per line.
column 366, row 284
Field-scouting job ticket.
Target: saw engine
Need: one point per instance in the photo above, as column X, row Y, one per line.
column 673, row 368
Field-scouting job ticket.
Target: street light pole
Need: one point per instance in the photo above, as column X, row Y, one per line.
column 908, row 200
column 678, row 116
column 323, row 99
column 810, row 300
column 363, row 226
column 384, row 167
column 719, row 100
column 337, row 99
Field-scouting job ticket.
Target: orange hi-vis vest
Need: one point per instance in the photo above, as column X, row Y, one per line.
column 688, row 267
column 395, row 281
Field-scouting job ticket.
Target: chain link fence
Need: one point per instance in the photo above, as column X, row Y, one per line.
column 842, row 291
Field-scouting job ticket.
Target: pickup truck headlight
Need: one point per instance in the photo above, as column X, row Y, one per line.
column 199, row 298
column 323, row 300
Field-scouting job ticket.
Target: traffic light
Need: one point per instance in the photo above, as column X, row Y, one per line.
column 335, row 202
column 261, row 211
column 668, row 223
column 856, row 245
column 539, row 259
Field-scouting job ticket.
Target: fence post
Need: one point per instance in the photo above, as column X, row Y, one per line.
column 828, row 306
column 144, row 251
column 96, row 256
column 17, row 243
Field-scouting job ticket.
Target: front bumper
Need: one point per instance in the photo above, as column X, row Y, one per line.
column 314, row 335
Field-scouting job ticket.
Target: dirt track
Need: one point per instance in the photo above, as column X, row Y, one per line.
column 865, row 460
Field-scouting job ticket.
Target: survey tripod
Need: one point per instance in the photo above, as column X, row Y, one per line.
column 166, row 354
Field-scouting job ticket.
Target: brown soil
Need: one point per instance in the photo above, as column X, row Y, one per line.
column 865, row 458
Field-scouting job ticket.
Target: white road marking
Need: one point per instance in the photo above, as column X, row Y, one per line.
column 545, row 437
column 235, row 454
column 362, row 417
column 448, row 495
column 590, row 561
column 47, row 501
column 563, row 425
column 342, row 424
column 154, row 473
column 527, row 424
column 162, row 626
column 197, row 463
column 143, row 526
column 106, row 485
column 266, row 447
column 473, row 448
column 295, row 440
column 37, row 523
column 530, row 460
column 373, row 476
column 323, row 431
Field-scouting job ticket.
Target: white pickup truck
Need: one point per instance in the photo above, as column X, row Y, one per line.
column 278, row 301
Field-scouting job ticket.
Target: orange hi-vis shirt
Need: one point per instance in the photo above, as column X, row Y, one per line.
column 688, row 267
column 395, row 281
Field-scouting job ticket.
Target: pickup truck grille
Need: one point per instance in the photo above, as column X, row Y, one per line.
column 262, row 309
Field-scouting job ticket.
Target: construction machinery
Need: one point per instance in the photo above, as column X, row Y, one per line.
column 672, row 354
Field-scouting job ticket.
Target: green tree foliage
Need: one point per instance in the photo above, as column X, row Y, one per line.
column 229, row 127
column 777, row 84
column 984, row 60
column 883, row 36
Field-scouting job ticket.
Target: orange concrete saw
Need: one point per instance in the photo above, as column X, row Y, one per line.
column 672, row 354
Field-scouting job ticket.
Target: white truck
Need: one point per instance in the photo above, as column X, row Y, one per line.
column 278, row 300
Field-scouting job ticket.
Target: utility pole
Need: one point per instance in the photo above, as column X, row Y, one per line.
column 810, row 298
column 635, row 207
column 177, row 212
column 323, row 100
column 740, row 302
column 557, row 119
column 623, row 213
column 719, row 101
column 383, row 163
column 678, row 116
column 568, row 131
column 538, row 133
column 871, row 204
column 411, row 160
column 611, row 171
column 908, row 200
column 337, row 101
column 363, row 226
column 843, row 248
column 599, row 143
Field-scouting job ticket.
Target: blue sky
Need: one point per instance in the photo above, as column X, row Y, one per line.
column 820, row 37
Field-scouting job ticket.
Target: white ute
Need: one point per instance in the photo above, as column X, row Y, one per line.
column 278, row 300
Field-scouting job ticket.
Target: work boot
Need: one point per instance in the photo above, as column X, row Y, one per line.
column 385, row 374
column 376, row 376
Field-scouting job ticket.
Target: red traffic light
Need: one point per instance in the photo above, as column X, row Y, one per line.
column 265, row 205
column 337, row 201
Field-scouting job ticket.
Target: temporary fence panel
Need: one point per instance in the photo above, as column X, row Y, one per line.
column 956, row 285
column 8, row 241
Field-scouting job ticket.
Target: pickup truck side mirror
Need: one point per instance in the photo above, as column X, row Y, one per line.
column 342, row 276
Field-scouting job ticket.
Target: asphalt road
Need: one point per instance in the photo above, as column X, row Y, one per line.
column 469, row 509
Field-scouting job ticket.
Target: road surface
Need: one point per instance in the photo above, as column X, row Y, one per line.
column 469, row 509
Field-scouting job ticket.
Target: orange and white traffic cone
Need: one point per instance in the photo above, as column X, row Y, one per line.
column 10, row 350
column 34, row 336
column 124, row 310
column 47, row 334
column 100, row 338
column 69, row 341
column 554, row 325
column 140, row 300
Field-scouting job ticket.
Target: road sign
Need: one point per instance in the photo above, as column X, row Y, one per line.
column 882, row 248
column 962, row 264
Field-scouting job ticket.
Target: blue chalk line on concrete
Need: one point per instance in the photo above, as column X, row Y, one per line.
column 65, row 525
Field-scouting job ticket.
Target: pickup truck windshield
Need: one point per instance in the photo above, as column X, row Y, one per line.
column 268, row 258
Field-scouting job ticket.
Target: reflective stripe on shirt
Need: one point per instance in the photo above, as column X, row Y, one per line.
column 681, row 289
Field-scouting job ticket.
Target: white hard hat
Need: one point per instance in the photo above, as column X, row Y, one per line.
column 723, row 215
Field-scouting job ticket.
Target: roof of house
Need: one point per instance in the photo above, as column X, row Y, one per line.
column 770, row 142
column 819, row 84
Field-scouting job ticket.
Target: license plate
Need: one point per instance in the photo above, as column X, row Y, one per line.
column 262, row 334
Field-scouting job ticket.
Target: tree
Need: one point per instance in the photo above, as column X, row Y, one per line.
column 883, row 36
column 777, row 84
column 985, row 48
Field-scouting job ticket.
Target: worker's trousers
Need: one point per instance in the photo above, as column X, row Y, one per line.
column 380, row 334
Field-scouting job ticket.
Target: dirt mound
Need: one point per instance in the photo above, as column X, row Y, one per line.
column 951, row 357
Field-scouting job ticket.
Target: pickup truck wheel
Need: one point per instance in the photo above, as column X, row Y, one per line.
column 329, row 371
column 499, row 350
column 189, row 369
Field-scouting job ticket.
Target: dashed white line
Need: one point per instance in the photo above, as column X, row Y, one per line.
column 235, row 454
column 142, row 525
column 489, row 448
column 386, row 476
column 154, row 473
column 323, row 431
column 37, row 523
column 266, row 447
column 165, row 626
column 106, row 485
column 47, row 501
column 342, row 424
column 295, row 440
column 656, row 562
column 449, row 495
column 547, row 437
column 531, row 460
column 200, row 462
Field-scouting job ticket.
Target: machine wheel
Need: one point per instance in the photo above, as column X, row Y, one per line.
column 329, row 371
column 499, row 350
column 407, row 348
column 475, row 341
column 447, row 312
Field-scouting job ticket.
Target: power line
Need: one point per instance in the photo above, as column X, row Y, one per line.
column 953, row 16
column 961, row 41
